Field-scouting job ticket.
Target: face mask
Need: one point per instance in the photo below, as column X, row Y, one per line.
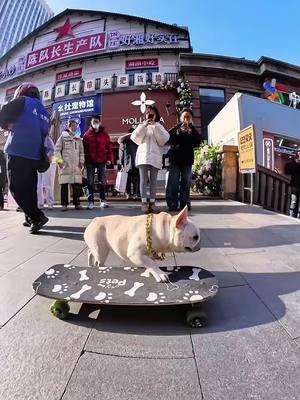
column 96, row 126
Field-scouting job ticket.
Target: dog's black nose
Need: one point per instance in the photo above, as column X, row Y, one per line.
column 196, row 237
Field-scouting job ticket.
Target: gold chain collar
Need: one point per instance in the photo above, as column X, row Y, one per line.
column 152, row 253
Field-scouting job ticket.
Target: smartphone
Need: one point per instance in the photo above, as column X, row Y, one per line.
column 150, row 116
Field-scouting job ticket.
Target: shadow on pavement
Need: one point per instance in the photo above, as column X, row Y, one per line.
column 233, row 308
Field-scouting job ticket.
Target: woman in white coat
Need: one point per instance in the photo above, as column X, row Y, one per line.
column 150, row 136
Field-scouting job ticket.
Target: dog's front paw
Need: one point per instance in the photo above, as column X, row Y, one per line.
column 157, row 274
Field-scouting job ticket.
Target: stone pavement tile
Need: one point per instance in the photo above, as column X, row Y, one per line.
column 16, row 286
column 38, row 353
column 145, row 332
column 243, row 353
column 213, row 260
column 111, row 378
column 13, row 257
column 277, row 285
column 71, row 246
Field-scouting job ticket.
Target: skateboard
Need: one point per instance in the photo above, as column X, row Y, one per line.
column 129, row 286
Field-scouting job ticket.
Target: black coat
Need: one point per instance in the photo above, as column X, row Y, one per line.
column 182, row 145
column 293, row 168
column 2, row 169
column 127, row 153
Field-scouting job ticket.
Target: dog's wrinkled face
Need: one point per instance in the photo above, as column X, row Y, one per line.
column 187, row 234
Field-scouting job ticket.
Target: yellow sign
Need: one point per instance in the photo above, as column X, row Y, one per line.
column 247, row 159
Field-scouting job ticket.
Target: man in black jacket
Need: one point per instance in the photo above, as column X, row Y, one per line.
column 2, row 178
column 293, row 168
column 183, row 139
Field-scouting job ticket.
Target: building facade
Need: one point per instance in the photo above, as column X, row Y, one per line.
column 93, row 62
column 19, row 18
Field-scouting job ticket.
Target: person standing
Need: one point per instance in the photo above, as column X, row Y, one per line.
column 28, row 122
column 2, row 178
column 127, row 154
column 150, row 136
column 183, row 139
column 98, row 154
column 69, row 154
column 293, row 168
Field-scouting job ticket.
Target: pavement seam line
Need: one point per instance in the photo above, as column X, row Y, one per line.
column 77, row 361
column 17, row 312
column 138, row 357
column 196, row 365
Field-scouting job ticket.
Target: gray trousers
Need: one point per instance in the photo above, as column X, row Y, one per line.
column 144, row 177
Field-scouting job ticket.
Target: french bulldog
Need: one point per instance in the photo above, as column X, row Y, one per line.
column 126, row 236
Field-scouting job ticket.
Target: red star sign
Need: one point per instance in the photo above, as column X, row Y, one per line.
column 66, row 29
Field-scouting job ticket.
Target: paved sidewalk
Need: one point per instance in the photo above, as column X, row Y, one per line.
column 250, row 350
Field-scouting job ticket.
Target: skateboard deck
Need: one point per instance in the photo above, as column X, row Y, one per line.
column 125, row 285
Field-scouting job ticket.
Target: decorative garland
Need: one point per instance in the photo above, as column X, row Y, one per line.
column 183, row 90
column 152, row 253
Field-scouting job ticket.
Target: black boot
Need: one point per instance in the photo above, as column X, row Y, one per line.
column 36, row 226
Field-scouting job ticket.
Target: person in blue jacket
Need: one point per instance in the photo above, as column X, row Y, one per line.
column 28, row 122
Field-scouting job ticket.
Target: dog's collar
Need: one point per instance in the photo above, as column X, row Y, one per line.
column 152, row 253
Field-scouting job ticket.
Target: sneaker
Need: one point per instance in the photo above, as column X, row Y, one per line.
column 50, row 207
column 153, row 209
column 64, row 208
column 90, row 206
column 79, row 207
column 36, row 226
column 40, row 206
column 103, row 204
column 145, row 208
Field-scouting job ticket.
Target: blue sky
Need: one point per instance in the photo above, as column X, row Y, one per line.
column 238, row 28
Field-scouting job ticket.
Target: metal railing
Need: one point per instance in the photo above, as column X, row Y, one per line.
column 271, row 190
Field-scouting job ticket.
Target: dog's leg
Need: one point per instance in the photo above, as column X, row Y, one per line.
column 97, row 257
column 150, row 265
column 91, row 259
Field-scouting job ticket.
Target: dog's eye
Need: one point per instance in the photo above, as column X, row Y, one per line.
column 196, row 237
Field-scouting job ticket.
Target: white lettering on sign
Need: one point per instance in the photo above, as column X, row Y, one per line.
column 116, row 39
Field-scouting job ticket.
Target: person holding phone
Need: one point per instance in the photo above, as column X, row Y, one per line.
column 183, row 139
column 150, row 136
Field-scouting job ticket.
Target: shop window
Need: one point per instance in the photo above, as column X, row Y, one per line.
column 211, row 102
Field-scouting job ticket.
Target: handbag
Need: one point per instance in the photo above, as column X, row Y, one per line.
column 121, row 181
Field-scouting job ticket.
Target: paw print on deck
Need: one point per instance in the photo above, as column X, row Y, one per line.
column 130, row 268
column 192, row 295
column 60, row 288
column 51, row 273
column 103, row 296
column 103, row 270
column 156, row 298
column 69, row 266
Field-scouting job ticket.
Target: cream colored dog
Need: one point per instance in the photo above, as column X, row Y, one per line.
column 126, row 236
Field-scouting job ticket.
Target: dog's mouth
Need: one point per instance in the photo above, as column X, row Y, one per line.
column 189, row 249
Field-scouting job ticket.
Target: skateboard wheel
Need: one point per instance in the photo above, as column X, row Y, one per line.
column 60, row 309
column 196, row 318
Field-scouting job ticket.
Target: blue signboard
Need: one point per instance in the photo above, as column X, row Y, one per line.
column 79, row 108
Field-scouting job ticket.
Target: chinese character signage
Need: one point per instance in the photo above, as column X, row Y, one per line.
column 74, row 87
column 140, row 79
column 247, row 162
column 268, row 155
column 106, row 83
column 47, row 94
column 89, row 85
column 79, row 107
column 143, row 63
column 117, row 39
column 157, row 77
column 71, row 74
column 122, row 81
column 65, row 49
column 60, row 91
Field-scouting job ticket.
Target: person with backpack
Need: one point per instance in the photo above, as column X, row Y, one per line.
column 293, row 169
column 28, row 122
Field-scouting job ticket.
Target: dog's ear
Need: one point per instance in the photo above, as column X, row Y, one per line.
column 181, row 217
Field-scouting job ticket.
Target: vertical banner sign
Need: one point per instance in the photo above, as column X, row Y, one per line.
column 247, row 159
column 268, row 155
